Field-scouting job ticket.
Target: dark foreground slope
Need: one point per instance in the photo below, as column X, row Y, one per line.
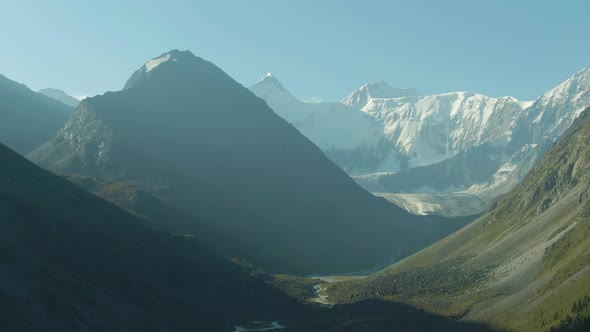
column 73, row 262
column 189, row 134
column 28, row 119
column 524, row 266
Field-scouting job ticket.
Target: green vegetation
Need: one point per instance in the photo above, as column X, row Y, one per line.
column 578, row 319
column 524, row 266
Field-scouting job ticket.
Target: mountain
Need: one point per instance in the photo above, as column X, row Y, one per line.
column 187, row 133
column 28, row 119
column 349, row 138
column 488, row 161
column 404, row 130
column 419, row 131
column 523, row 266
column 361, row 96
column 61, row 96
column 426, row 130
column 553, row 112
column 73, row 262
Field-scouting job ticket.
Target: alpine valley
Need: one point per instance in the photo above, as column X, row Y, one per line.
column 188, row 202
column 188, row 134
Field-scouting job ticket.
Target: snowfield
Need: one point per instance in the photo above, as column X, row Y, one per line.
column 379, row 130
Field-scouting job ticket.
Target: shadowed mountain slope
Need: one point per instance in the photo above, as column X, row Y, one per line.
column 72, row 261
column 28, row 119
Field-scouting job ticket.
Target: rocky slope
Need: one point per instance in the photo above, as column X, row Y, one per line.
column 524, row 266
column 28, row 119
column 190, row 135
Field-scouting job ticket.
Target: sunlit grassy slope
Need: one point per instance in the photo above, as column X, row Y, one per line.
column 523, row 266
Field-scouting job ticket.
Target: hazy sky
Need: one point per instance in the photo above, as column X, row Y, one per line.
column 324, row 48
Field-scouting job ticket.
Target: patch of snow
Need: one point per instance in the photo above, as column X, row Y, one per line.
column 156, row 62
column 430, row 190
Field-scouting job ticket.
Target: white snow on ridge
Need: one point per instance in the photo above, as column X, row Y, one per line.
column 359, row 98
column 429, row 129
column 330, row 125
column 399, row 128
column 556, row 110
column 156, row 62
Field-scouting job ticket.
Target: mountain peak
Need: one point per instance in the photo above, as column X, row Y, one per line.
column 575, row 87
column 173, row 55
column 269, row 87
column 375, row 85
column 380, row 89
column 583, row 75
column 269, row 78
column 174, row 67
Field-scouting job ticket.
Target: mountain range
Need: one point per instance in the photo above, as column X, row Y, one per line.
column 458, row 144
column 188, row 134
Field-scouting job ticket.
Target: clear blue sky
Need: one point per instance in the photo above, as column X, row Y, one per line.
column 323, row 48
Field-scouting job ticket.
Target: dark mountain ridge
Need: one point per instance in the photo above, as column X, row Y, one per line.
column 28, row 119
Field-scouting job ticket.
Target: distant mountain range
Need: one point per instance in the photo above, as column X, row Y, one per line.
column 459, row 142
column 61, row 96
column 191, row 136
column 350, row 138
column 28, row 119
column 524, row 266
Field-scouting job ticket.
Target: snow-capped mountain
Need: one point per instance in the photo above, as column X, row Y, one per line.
column 499, row 158
column 428, row 129
column 361, row 96
column 554, row 111
column 382, row 129
column 350, row 138
column 452, row 142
